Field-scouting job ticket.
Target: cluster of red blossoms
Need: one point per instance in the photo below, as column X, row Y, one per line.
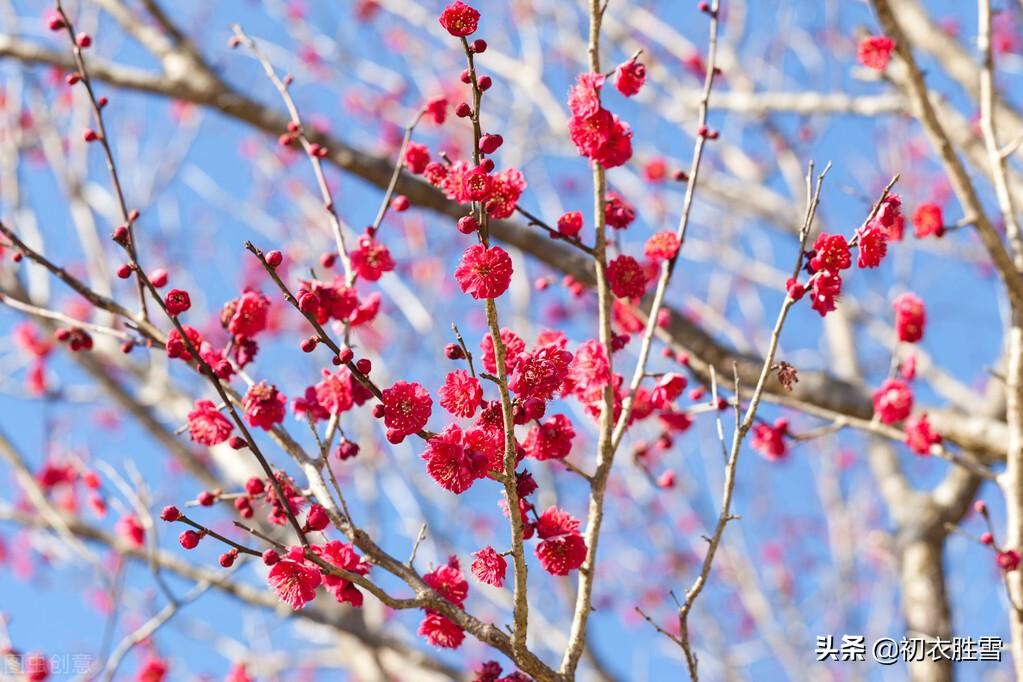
column 832, row 253
column 893, row 400
column 598, row 134
column 295, row 578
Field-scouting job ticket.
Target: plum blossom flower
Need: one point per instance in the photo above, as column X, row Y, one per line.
column 483, row 272
column 206, row 425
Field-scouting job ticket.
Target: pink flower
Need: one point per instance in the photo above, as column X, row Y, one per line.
column 459, row 19
column 308, row 407
column 477, row 184
column 483, row 272
column 246, row 316
column 629, row 77
column 893, row 401
column 508, row 186
column 407, row 408
column 152, row 670
column 294, row 580
column 551, row 439
column 570, row 224
column 342, row 555
column 655, row 170
column 437, row 109
column 626, row 277
column 417, row 157
column 452, row 464
column 928, row 220
column 769, row 440
column 675, row 421
column 1008, row 560
column 831, row 252
column 206, row 425
column 875, row 51
column 489, row 567
column 131, row 530
column 919, row 436
column 264, row 406
column 513, row 347
column 669, row 387
column 910, row 317
column 176, row 346
column 335, row 393
column 618, row 213
column 539, row 374
column 596, row 133
column 589, row 372
column 461, row 394
column 907, row 370
column 441, row 632
column 890, row 215
column 562, row 548
column 448, row 581
column 177, row 301
column 826, row 287
column 872, row 242
column 371, row 260
column 583, row 99
column 662, row 246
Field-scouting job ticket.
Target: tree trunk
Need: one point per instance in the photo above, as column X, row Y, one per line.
column 924, row 602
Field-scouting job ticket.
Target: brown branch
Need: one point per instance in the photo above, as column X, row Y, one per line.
column 959, row 178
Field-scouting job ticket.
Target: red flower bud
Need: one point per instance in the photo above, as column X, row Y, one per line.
column 468, row 224
column 308, row 302
column 400, row 203
column 316, row 519
column 1008, row 560
column 490, row 143
column 189, row 539
column 227, row 558
column 54, row 21
column 347, row 449
column 170, row 514
column 158, row 278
